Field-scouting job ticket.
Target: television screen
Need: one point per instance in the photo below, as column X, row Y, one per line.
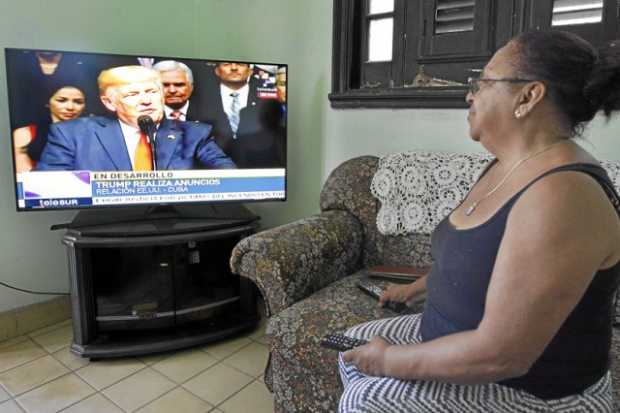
column 95, row 130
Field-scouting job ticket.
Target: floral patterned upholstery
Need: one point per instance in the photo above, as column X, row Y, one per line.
column 307, row 273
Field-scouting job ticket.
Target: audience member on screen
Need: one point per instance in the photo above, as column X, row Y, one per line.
column 235, row 92
column 64, row 103
column 243, row 121
column 178, row 82
column 518, row 315
column 103, row 144
column 281, row 84
column 31, row 77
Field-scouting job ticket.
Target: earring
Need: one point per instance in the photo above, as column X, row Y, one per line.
column 517, row 114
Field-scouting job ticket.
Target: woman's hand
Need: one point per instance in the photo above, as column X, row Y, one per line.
column 369, row 358
column 398, row 293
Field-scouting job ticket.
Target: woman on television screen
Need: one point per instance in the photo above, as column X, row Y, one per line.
column 65, row 103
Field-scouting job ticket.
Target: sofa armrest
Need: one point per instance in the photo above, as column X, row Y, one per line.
column 290, row 262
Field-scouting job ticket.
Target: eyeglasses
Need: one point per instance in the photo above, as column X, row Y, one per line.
column 474, row 82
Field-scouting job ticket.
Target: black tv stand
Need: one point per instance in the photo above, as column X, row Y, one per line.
column 157, row 220
column 156, row 284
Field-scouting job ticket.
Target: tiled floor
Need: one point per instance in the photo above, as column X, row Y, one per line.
column 38, row 374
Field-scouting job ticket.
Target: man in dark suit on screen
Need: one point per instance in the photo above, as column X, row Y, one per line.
column 178, row 82
column 244, row 122
column 103, row 144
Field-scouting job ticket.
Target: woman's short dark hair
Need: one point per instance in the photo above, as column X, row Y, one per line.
column 580, row 80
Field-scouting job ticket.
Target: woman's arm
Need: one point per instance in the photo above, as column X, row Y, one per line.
column 559, row 233
column 21, row 138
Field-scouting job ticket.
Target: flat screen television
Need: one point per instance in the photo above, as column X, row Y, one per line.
column 93, row 130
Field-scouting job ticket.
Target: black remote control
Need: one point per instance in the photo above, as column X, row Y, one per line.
column 375, row 291
column 341, row 342
column 370, row 288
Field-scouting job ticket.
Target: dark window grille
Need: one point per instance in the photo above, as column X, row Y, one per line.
column 452, row 16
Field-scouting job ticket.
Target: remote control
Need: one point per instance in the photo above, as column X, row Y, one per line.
column 341, row 342
column 370, row 288
column 375, row 291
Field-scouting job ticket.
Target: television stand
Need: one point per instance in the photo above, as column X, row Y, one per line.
column 139, row 287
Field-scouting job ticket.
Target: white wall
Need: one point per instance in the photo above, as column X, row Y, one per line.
column 352, row 133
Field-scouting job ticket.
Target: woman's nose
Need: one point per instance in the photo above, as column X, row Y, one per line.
column 469, row 97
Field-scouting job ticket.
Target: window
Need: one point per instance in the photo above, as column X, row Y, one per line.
column 380, row 17
column 380, row 30
column 419, row 53
column 571, row 12
column 594, row 20
column 454, row 16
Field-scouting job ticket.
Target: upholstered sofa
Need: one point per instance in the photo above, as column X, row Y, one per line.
column 307, row 270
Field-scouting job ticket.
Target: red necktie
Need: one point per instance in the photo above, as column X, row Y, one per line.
column 143, row 159
column 176, row 114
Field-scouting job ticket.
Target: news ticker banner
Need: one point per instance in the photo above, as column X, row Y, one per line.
column 74, row 189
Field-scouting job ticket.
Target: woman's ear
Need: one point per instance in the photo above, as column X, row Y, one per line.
column 530, row 95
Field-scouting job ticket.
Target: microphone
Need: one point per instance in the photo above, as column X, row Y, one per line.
column 147, row 126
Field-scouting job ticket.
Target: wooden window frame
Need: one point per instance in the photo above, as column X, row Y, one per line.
column 506, row 19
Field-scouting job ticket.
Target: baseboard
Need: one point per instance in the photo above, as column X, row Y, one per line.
column 23, row 320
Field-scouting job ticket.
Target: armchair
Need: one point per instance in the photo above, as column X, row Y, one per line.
column 307, row 272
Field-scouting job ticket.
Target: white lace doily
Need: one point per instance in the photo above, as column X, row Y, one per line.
column 613, row 170
column 418, row 189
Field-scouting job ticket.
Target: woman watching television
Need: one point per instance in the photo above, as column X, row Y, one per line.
column 518, row 315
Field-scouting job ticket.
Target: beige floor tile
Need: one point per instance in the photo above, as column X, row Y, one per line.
column 184, row 365
column 10, row 407
column 223, row 349
column 251, row 359
column 94, row 404
column 70, row 360
column 55, row 395
column 18, row 354
column 3, row 395
column 255, row 395
column 27, row 377
column 138, row 390
column 56, row 339
column 217, row 383
column 103, row 373
column 178, row 400
column 49, row 329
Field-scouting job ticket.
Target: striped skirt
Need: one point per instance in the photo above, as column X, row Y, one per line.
column 364, row 394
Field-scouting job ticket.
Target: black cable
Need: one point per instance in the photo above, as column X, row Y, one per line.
column 31, row 292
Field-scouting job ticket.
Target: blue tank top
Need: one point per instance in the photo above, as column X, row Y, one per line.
column 457, row 285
